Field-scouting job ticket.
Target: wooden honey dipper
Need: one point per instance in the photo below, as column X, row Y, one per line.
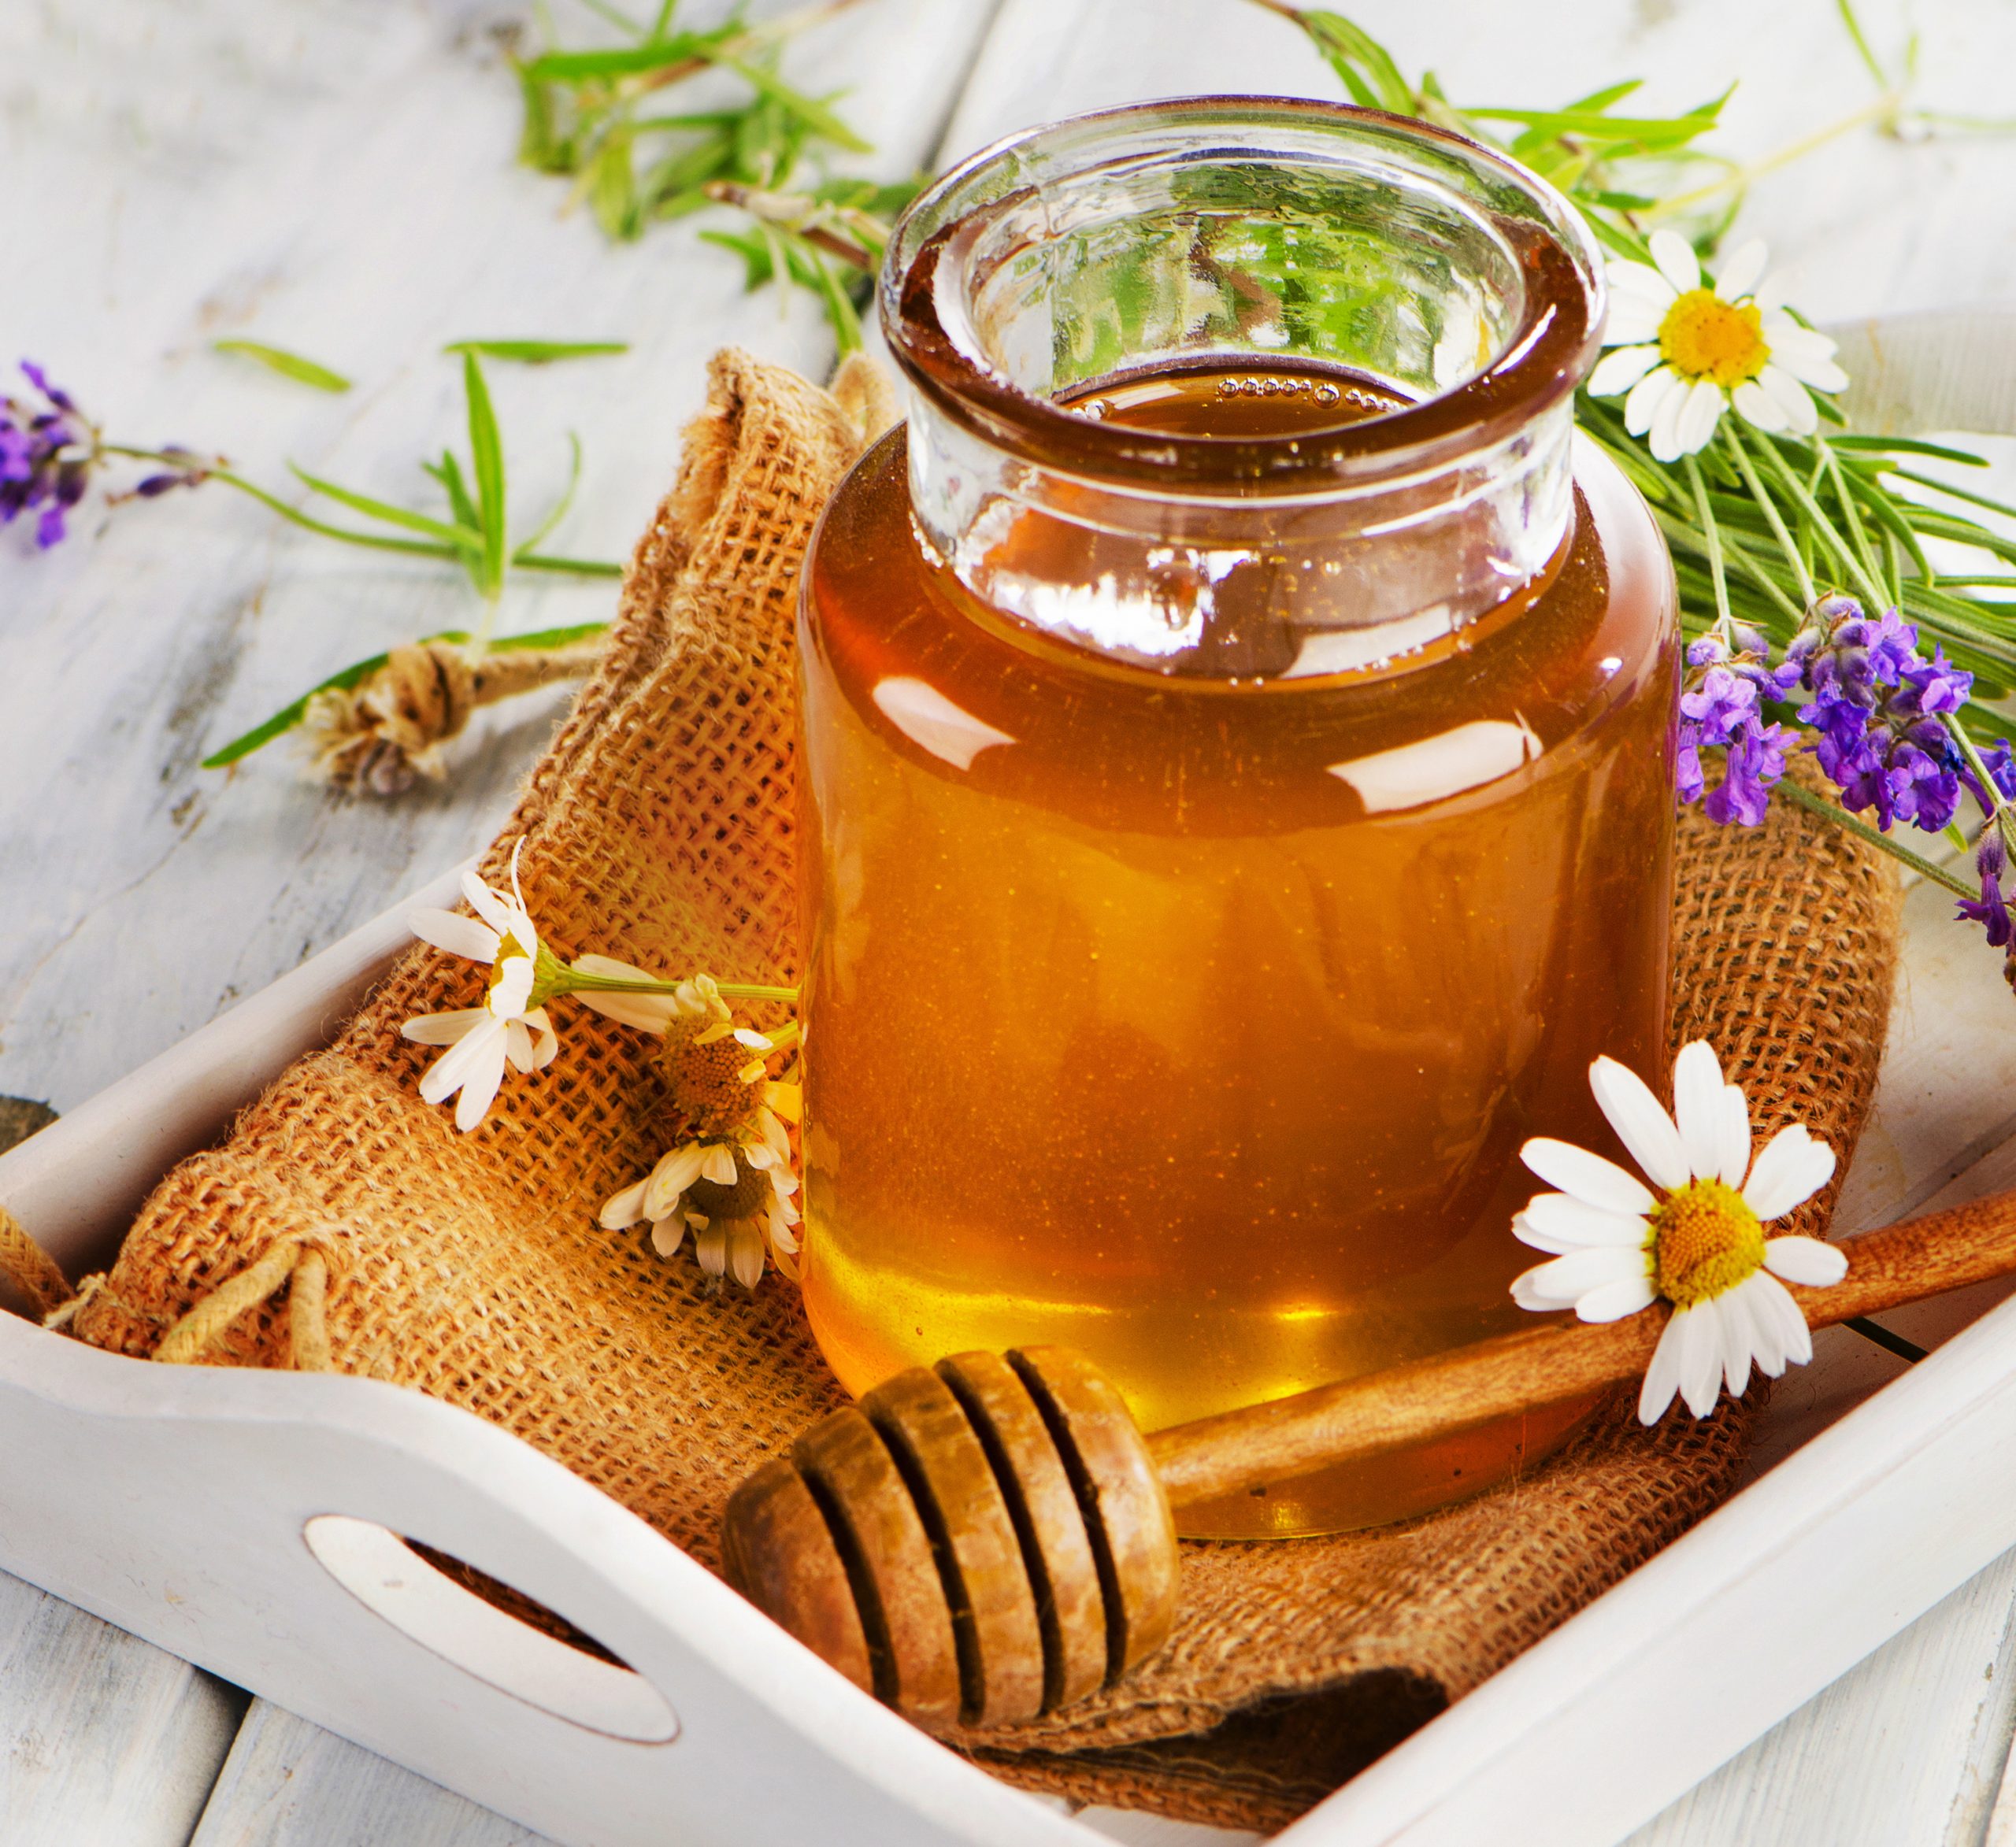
column 992, row 1538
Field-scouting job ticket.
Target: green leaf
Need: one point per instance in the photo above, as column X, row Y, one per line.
column 549, row 637
column 753, row 248
column 392, row 515
column 627, row 60
column 287, row 364
column 1366, row 65
column 537, row 352
column 812, row 112
column 1909, row 445
column 560, row 506
column 612, row 186
column 450, row 475
column 487, row 461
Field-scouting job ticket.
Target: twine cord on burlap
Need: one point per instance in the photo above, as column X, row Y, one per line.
column 377, row 736
column 30, row 1269
column 300, row 1258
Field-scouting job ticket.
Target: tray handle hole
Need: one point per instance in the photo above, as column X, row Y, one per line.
column 595, row 1690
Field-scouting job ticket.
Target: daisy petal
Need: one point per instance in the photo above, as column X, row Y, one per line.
column 1632, row 323
column 1808, row 1260
column 620, row 1213
column 444, row 1029
column 1614, row 1300
column 668, row 1235
column 1641, row 281
column 546, row 1042
column 1756, row 406
column 1769, row 1297
column 1821, row 374
column 1587, row 1177
column 1619, row 371
column 1569, row 1278
column 1792, row 397
column 1662, row 1376
column 457, row 934
column 745, row 1256
column 518, row 1044
column 675, row 1171
column 1663, row 437
column 1527, row 1293
column 710, row 1246
column 1733, row 1139
column 454, row 1068
column 479, row 1088
column 1767, row 1345
column 512, row 987
column 717, row 1164
column 1733, row 1324
column 1641, row 1124
column 1792, row 1169
column 1701, row 1356
column 1783, row 333
column 1677, row 262
column 1697, row 423
column 1697, row 1105
column 647, row 1012
column 488, row 904
column 1560, row 1216
column 1742, row 271
column 1648, row 397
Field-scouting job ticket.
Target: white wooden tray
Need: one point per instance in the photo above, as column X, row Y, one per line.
column 244, row 1519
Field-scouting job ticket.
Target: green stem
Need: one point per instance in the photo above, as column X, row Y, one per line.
column 1769, row 509
column 576, row 566
column 1715, row 569
column 580, row 981
column 1833, row 812
column 1865, row 581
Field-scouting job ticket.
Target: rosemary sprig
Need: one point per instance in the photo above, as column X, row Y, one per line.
column 585, row 119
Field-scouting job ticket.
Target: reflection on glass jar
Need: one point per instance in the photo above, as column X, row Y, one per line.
column 1237, row 771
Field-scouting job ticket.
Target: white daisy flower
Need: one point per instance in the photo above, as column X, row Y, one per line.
column 735, row 1196
column 1685, row 351
column 1695, row 1237
column 506, row 1028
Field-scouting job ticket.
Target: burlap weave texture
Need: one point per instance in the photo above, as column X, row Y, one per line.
column 658, row 828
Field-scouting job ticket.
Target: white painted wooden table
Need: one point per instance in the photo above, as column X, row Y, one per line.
column 335, row 176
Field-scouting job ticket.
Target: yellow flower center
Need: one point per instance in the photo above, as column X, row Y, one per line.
column 1704, row 337
column 703, row 1085
column 1705, row 1240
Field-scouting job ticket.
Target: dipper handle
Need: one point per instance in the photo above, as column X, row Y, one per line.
column 1450, row 1393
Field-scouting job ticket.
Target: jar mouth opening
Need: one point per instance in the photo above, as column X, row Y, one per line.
column 1245, row 230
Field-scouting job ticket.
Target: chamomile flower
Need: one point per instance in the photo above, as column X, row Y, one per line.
column 735, row 1196
column 1695, row 1236
column 1686, row 350
column 509, row 1028
column 728, row 1178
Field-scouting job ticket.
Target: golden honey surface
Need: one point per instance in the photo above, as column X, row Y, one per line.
column 1195, row 1023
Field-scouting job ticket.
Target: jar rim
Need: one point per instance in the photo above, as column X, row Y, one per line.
column 1543, row 357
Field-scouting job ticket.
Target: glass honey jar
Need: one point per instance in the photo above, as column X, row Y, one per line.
column 1237, row 772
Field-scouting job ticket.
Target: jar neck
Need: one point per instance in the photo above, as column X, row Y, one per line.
column 1321, row 251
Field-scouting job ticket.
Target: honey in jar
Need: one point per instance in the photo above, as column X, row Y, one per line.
column 1236, row 774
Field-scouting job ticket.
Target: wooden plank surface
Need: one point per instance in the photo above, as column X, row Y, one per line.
column 229, row 167
column 103, row 1737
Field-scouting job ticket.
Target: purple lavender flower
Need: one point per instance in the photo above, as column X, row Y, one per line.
column 1756, row 760
column 46, row 456
column 1722, row 703
column 1992, row 910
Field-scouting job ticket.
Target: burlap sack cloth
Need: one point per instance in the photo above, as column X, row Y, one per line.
column 659, row 828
